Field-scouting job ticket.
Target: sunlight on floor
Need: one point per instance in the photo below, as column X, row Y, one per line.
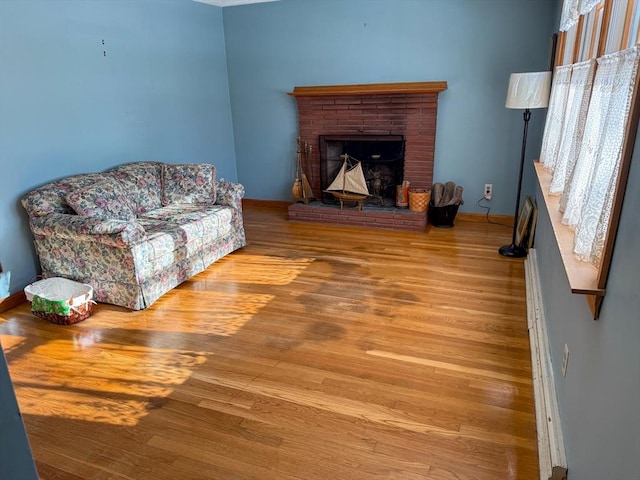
column 209, row 313
column 9, row 342
column 93, row 373
column 117, row 388
column 259, row 270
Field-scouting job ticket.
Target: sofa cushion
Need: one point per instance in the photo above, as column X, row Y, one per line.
column 188, row 183
column 191, row 225
column 141, row 181
column 104, row 199
column 213, row 221
column 50, row 198
column 177, row 232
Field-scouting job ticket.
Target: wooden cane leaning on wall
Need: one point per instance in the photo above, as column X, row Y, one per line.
column 296, row 190
column 301, row 190
column 306, row 186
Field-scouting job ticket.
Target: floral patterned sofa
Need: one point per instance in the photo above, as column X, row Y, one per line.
column 135, row 231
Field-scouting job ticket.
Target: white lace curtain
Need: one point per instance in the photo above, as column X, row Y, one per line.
column 577, row 106
column 572, row 9
column 586, row 159
column 590, row 195
column 553, row 128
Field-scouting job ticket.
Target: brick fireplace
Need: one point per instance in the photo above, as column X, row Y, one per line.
column 404, row 109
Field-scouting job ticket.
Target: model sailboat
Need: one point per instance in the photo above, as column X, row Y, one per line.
column 350, row 183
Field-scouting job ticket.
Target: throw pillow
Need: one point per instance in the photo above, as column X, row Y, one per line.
column 104, row 199
column 141, row 181
column 188, row 183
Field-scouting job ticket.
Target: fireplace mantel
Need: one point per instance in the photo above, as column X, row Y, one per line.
column 404, row 88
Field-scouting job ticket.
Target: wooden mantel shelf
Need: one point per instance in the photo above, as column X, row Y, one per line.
column 370, row 89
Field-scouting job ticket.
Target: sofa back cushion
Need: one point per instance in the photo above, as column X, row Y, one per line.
column 141, row 182
column 188, row 183
column 105, row 199
column 50, row 198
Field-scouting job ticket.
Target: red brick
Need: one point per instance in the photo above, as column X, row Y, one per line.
column 378, row 213
column 348, row 121
column 407, row 99
column 373, row 99
column 315, row 116
column 405, row 121
column 348, row 101
column 321, row 101
column 334, row 107
column 371, row 131
column 389, row 221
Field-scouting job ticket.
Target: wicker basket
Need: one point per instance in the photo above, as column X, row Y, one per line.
column 419, row 199
column 60, row 301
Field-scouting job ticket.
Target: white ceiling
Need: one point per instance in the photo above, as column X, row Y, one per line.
column 232, row 3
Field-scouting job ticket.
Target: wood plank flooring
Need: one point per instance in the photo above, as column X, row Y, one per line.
column 315, row 352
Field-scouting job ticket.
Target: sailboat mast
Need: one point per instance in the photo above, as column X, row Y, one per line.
column 344, row 177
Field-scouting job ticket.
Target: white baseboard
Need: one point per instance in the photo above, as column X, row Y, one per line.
column 551, row 453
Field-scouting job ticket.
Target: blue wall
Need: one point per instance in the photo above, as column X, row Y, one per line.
column 600, row 397
column 160, row 93
column 473, row 45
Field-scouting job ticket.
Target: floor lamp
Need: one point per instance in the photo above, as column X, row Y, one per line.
column 526, row 90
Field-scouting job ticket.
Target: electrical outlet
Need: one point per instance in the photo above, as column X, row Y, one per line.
column 488, row 190
column 565, row 360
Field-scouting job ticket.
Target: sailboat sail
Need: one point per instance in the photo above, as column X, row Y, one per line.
column 349, row 179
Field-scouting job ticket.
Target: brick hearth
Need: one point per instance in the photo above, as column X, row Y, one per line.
column 408, row 109
column 385, row 218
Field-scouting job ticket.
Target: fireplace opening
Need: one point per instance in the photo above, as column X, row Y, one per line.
column 382, row 159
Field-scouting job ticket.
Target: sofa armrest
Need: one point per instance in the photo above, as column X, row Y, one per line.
column 229, row 193
column 117, row 233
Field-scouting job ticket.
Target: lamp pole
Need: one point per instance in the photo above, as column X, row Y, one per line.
column 514, row 250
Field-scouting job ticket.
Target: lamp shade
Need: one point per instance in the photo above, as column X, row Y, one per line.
column 529, row 90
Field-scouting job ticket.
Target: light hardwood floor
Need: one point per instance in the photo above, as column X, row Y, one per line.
column 315, row 352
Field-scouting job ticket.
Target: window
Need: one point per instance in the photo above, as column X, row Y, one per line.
column 595, row 40
column 617, row 25
column 632, row 35
column 571, row 38
column 589, row 135
column 586, row 42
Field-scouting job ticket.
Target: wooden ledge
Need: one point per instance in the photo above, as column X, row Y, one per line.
column 370, row 89
column 582, row 276
column 256, row 202
column 12, row 301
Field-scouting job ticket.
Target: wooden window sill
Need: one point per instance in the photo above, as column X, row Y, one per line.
column 582, row 276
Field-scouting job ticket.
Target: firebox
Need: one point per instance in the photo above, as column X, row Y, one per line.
column 382, row 159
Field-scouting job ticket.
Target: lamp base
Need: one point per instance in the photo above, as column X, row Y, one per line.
column 512, row 251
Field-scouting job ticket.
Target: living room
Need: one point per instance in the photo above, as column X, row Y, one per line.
column 86, row 86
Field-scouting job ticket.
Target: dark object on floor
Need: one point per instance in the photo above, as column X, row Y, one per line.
column 442, row 217
column 444, row 204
